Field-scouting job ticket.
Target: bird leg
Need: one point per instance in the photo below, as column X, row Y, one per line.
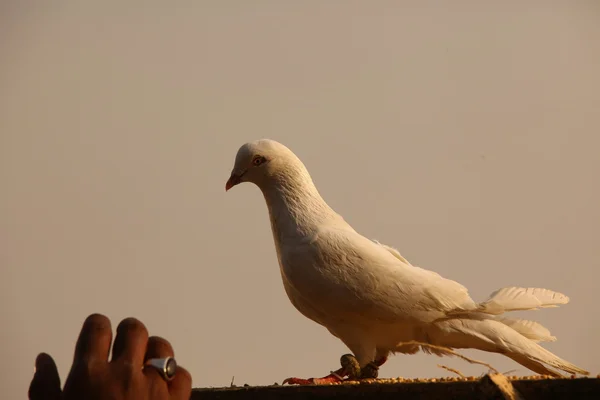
column 371, row 370
column 350, row 368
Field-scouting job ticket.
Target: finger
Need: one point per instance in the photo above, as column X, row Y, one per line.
column 181, row 385
column 45, row 384
column 93, row 344
column 158, row 348
column 130, row 342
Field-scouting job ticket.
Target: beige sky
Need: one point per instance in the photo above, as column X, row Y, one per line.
column 465, row 135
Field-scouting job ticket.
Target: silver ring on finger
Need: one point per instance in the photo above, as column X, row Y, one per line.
column 167, row 367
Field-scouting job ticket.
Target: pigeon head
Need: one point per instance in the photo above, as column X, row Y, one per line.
column 261, row 162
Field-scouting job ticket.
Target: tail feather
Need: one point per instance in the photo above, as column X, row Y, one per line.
column 542, row 356
column 499, row 337
column 534, row 365
column 530, row 329
column 517, row 298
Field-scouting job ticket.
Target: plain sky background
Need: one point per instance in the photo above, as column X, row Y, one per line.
column 464, row 133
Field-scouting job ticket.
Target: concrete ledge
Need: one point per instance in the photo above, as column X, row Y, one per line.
column 488, row 387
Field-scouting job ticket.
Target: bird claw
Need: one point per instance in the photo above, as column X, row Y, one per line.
column 369, row 371
column 350, row 366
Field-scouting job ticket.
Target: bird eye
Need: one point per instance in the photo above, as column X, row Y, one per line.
column 258, row 160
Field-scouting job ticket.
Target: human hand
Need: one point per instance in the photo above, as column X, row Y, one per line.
column 124, row 377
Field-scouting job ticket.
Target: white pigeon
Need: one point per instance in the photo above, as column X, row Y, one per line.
column 368, row 295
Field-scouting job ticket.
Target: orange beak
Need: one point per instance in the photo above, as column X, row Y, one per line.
column 232, row 181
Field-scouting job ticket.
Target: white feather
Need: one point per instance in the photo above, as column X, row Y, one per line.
column 530, row 329
column 517, row 298
column 394, row 251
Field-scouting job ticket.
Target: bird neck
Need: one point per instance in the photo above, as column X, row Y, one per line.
column 295, row 206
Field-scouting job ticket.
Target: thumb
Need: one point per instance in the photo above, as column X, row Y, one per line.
column 45, row 384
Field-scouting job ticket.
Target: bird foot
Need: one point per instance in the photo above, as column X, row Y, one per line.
column 369, row 371
column 350, row 369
